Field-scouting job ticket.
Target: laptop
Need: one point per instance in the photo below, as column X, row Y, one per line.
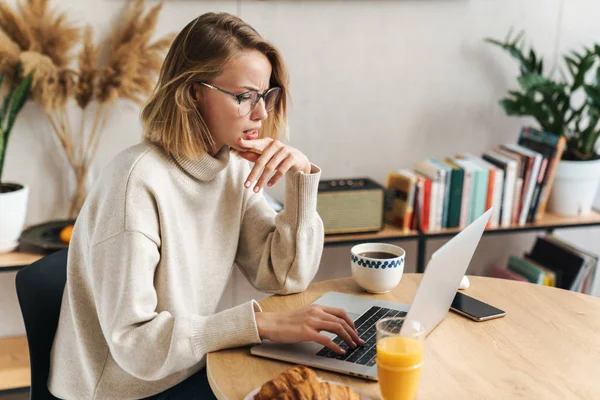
column 431, row 303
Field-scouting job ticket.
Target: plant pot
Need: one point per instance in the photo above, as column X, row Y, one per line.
column 13, row 209
column 575, row 187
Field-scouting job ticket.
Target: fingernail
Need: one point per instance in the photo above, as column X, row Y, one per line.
column 353, row 345
column 362, row 341
column 269, row 184
column 256, row 189
column 343, row 351
column 247, row 184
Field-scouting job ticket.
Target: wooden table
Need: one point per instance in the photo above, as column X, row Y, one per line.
column 546, row 347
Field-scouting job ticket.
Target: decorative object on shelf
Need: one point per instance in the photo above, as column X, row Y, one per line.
column 350, row 205
column 49, row 236
column 551, row 101
column 13, row 196
column 122, row 67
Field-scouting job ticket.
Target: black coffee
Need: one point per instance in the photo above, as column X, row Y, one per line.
column 381, row 255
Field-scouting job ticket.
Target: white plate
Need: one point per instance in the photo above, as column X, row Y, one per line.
column 250, row 396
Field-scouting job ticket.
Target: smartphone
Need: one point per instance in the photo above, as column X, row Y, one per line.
column 474, row 309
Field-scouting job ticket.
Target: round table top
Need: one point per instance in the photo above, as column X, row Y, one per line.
column 546, row 347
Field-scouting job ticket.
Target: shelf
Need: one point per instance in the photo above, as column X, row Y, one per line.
column 17, row 259
column 549, row 221
column 14, row 363
column 389, row 232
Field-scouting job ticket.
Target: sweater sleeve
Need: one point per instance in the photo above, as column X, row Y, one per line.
column 280, row 253
column 145, row 341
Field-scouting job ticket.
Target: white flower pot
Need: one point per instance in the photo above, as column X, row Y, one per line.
column 13, row 209
column 575, row 187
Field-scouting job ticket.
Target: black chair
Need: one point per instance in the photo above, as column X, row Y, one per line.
column 40, row 288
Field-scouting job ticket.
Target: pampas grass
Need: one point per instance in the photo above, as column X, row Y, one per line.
column 122, row 67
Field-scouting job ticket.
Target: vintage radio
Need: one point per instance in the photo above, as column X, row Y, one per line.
column 351, row 205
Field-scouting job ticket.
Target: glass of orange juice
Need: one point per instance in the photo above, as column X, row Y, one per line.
column 399, row 357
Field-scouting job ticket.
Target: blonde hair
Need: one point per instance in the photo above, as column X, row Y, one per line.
column 199, row 53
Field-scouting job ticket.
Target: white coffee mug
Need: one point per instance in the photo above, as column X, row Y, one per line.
column 377, row 273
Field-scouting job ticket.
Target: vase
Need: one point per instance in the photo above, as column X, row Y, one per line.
column 13, row 210
column 575, row 187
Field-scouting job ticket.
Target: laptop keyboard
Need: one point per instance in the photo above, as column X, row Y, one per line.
column 365, row 325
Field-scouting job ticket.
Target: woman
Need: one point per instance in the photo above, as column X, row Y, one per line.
column 157, row 238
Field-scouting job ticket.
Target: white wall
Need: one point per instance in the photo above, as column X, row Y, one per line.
column 376, row 85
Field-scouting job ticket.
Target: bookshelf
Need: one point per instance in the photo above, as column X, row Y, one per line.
column 18, row 259
column 389, row 232
column 549, row 223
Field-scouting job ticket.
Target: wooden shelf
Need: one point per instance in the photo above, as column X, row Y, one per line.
column 389, row 232
column 17, row 259
column 549, row 221
column 14, row 363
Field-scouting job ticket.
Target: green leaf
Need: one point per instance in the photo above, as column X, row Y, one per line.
column 509, row 34
column 571, row 64
column 532, row 57
column 8, row 98
column 511, row 48
column 512, row 107
column 494, row 41
column 518, row 38
column 582, row 68
column 531, row 81
column 577, row 55
column 19, row 101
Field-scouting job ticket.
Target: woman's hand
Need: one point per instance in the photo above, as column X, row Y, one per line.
column 272, row 159
column 306, row 324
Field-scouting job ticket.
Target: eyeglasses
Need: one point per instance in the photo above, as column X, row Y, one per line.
column 247, row 101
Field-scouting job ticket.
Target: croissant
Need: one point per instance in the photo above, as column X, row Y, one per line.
column 285, row 382
column 314, row 390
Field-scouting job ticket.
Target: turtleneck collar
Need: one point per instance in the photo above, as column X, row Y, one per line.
column 206, row 167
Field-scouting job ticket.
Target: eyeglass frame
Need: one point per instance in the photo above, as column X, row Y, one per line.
column 239, row 97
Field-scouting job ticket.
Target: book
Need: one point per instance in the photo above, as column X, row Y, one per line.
column 549, row 275
column 529, row 271
column 503, row 273
column 479, row 188
column 585, row 280
column 465, row 198
column 534, row 161
column 552, row 141
column 399, row 197
column 415, row 222
column 438, row 183
column 495, row 188
column 456, row 192
column 517, row 195
column 565, row 262
column 423, row 202
column 509, row 167
column 448, row 175
column 547, row 154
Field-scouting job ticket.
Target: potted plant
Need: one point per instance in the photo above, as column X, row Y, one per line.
column 87, row 88
column 563, row 103
column 13, row 196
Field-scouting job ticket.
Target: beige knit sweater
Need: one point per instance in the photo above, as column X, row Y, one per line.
column 150, row 256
